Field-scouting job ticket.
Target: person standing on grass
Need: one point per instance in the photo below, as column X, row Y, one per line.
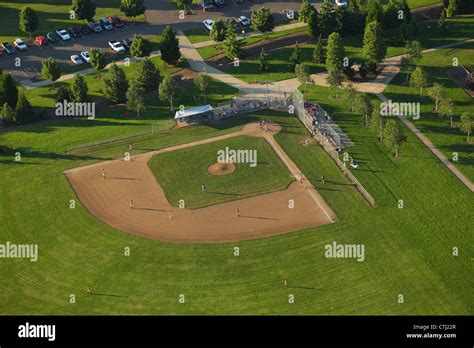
column 130, row 147
column 203, row 188
column 322, row 179
column 89, row 290
column 286, row 283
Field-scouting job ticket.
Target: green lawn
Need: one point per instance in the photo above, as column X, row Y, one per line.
column 417, row 3
column 279, row 68
column 408, row 250
column 52, row 14
column 448, row 140
column 192, row 163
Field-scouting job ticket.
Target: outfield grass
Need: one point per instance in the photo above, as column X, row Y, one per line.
column 408, row 251
column 461, row 28
column 448, row 140
column 192, row 164
column 52, row 14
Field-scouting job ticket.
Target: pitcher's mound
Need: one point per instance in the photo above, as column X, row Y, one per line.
column 221, row 168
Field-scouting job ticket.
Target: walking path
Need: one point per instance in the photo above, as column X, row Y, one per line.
column 28, row 84
column 151, row 215
column 255, row 33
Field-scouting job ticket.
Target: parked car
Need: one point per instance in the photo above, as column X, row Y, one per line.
column 19, row 45
column 117, row 46
column 74, row 32
column 85, row 29
column 41, row 40
column 208, row 23
column 86, row 56
column 289, row 14
column 95, row 26
column 76, row 59
column 63, row 35
column 115, row 21
column 126, row 44
column 8, row 48
column 219, row 3
column 206, row 5
column 244, row 21
column 104, row 22
column 52, row 37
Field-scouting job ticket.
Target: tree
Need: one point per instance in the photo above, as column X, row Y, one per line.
column 413, row 27
column 436, row 92
column 374, row 12
column 350, row 96
column 442, row 26
column 295, row 57
column 374, row 48
column 365, row 106
column 391, row 15
column 453, row 8
column 262, row 20
column 148, row 75
column 168, row 90
column 466, row 124
column 169, row 46
column 28, row 21
column 413, row 50
column 7, row 114
column 62, row 95
column 262, row 60
column 334, row 54
column 446, row 109
column 140, row 47
column 327, row 20
column 231, row 45
column 376, row 124
column 116, row 85
column 202, row 82
column 419, row 79
column 50, row 70
column 319, row 55
column 305, row 11
column 132, row 8
column 8, row 90
column 218, row 31
column 24, row 111
column 183, row 3
column 334, row 80
column 84, row 9
column 301, row 72
column 136, row 98
column 392, row 136
column 97, row 59
column 313, row 25
column 79, row 89
column 407, row 16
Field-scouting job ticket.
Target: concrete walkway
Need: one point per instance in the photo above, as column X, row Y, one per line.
column 255, row 33
column 28, row 84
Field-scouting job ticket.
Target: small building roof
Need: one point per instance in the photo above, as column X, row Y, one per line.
column 193, row 111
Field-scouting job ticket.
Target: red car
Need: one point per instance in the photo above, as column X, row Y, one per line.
column 41, row 40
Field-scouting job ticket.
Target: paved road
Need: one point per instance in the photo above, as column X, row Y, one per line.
column 159, row 13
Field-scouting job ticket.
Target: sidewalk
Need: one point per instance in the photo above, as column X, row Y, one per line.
column 255, row 33
column 28, row 84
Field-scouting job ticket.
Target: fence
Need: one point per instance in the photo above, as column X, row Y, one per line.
column 240, row 105
column 328, row 141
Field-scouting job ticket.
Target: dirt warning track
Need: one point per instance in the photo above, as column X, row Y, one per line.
column 152, row 216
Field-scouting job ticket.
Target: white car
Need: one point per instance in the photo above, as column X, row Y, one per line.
column 117, row 46
column 63, row 35
column 86, row 56
column 289, row 14
column 342, row 3
column 244, row 21
column 20, row 45
column 76, row 59
column 208, row 23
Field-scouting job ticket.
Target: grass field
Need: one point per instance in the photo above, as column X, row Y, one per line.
column 408, row 251
column 192, row 163
column 52, row 14
column 438, row 130
column 279, row 68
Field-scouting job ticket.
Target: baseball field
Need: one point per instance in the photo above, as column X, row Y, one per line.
column 408, row 251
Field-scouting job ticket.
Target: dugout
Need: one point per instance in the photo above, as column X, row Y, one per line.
column 200, row 114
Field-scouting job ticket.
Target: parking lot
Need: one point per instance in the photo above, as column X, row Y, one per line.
column 159, row 13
